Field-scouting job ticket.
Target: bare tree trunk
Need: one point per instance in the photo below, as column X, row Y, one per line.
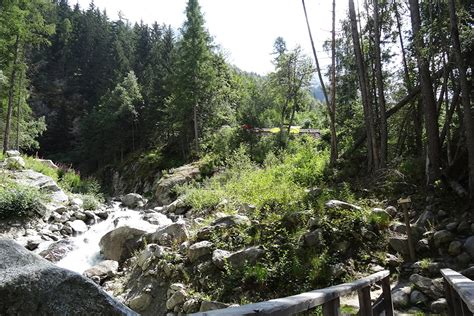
column 402, row 47
column 332, row 112
column 380, row 89
column 429, row 103
column 330, row 106
column 363, row 84
column 318, row 68
column 18, row 114
column 465, row 94
column 196, row 129
column 11, row 94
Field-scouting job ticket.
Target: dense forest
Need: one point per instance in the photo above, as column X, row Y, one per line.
column 85, row 90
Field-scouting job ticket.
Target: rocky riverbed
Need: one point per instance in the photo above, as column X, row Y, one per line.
column 160, row 257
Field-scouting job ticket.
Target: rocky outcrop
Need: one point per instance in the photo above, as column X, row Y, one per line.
column 43, row 183
column 164, row 188
column 30, row 285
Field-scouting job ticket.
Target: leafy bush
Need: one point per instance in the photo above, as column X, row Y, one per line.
column 91, row 201
column 17, row 201
column 70, row 180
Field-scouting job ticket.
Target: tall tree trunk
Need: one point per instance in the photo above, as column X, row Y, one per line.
column 196, row 129
column 372, row 160
column 465, row 94
column 18, row 114
column 402, row 47
column 429, row 102
column 332, row 112
column 11, row 95
column 380, row 88
column 331, row 106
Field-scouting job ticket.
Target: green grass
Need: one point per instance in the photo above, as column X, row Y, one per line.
column 34, row 164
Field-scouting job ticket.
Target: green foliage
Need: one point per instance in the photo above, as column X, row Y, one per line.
column 17, row 201
column 91, row 201
column 38, row 166
column 71, row 181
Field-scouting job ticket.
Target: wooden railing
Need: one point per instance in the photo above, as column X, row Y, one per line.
column 328, row 297
column 459, row 293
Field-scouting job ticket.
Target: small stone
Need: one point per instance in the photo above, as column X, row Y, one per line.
column 442, row 214
column 179, row 297
column 392, row 211
column 452, row 226
column 335, row 204
column 442, row 237
column 464, row 258
column 177, row 286
column 314, row 238
column 464, row 228
column 455, row 248
column 440, row 306
column 401, row 297
column 199, row 250
column 418, row 298
column 191, row 306
column 140, row 302
column 77, row 202
column 78, row 226
column 219, row 257
column 399, row 244
column 469, row 246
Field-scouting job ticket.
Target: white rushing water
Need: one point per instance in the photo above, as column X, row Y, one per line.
column 86, row 253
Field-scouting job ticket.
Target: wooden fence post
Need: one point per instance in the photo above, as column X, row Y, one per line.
column 332, row 308
column 365, row 304
column 387, row 296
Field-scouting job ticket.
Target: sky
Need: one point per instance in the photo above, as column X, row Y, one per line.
column 244, row 29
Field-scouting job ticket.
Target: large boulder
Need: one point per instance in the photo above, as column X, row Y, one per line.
column 133, row 200
column 169, row 235
column 120, row 243
column 246, row 256
column 30, row 285
column 164, row 188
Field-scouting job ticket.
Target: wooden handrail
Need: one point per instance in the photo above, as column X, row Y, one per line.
column 459, row 292
column 328, row 297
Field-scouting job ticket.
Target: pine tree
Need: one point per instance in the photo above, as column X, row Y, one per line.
column 193, row 77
